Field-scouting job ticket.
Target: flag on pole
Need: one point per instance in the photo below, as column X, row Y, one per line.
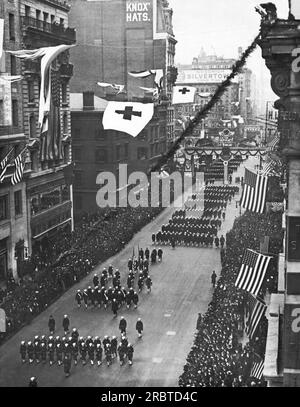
column 252, row 272
column 19, row 167
column 257, row 367
column 114, row 86
column 4, row 164
column 128, row 117
column 254, row 192
column 257, row 309
column 183, row 94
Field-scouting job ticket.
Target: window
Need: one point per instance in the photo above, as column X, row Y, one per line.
column 32, row 126
column 15, row 116
column 18, row 203
column 77, row 133
column 34, row 160
column 142, row 153
column 27, row 11
column 100, row 155
column 77, row 153
column 38, row 14
column 52, row 18
column 30, row 85
column 61, row 21
column 126, row 151
column 65, row 123
column 3, row 207
column 13, row 65
column 11, row 23
column 78, row 179
column 46, row 15
column 118, row 152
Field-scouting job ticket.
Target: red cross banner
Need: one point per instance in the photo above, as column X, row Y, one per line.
column 127, row 117
column 183, row 94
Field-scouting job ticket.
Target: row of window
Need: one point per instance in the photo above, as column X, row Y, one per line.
column 4, row 205
column 56, row 220
column 47, row 200
column 29, row 12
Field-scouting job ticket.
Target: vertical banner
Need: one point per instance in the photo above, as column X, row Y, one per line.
column 295, row 8
column 2, row 320
column 1, row 45
column 5, row 100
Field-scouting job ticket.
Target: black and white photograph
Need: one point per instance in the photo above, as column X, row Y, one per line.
column 149, row 197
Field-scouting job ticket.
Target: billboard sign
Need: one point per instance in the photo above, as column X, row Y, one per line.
column 193, row 76
column 138, row 11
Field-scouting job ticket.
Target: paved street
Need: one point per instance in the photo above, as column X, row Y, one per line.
column 181, row 289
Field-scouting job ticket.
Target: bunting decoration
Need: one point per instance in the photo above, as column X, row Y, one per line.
column 11, row 79
column 127, row 117
column 252, row 272
column 19, row 167
column 254, row 192
column 4, row 164
column 158, row 79
column 117, row 88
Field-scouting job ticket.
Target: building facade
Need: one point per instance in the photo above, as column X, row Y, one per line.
column 42, row 200
column 206, row 73
column 138, row 41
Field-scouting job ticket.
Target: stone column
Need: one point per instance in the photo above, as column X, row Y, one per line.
column 279, row 49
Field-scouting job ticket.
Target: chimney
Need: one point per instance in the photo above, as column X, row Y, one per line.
column 88, row 100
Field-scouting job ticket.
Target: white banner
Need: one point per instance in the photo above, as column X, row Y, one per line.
column 2, row 320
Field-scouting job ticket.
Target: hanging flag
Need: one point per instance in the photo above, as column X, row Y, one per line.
column 257, row 309
column 142, row 74
column 128, row 117
column 11, row 79
column 254, row 192
column 272, row 145
column 117, row 88
column 19, row 167
column 158, row 79
column 257, row 367
column 4, row 164
column 183, row 94
column 252, row 272
column 150, row 90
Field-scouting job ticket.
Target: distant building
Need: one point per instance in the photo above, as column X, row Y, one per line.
column 206, row 73
column 34, row 210
column 113, row 38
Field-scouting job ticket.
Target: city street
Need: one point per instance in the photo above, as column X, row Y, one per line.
column 181, row 289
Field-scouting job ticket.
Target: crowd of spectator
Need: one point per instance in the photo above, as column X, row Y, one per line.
column 217, row 357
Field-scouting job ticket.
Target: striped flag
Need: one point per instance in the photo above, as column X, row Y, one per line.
column 4, row 164
column 252, row 271
column 257, row 368
column 254, row 192
column 19, row 167
column 272, row 145
column 256, row 310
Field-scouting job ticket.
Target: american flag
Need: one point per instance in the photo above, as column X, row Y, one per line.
column 272, row 145
column 4, row 164
column 19, row 167
column 254, row 192
column 257, row 367
column 256, row 309
column 252, row 271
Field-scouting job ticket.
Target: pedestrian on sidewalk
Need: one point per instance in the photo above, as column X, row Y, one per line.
column 222, row 241
column 123, row 325
column 217, row 242
column 213, row 278
column 67, row 364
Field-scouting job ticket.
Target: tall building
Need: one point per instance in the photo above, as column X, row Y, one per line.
column 113, row 38
column 14, row 237
column 40, row 205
